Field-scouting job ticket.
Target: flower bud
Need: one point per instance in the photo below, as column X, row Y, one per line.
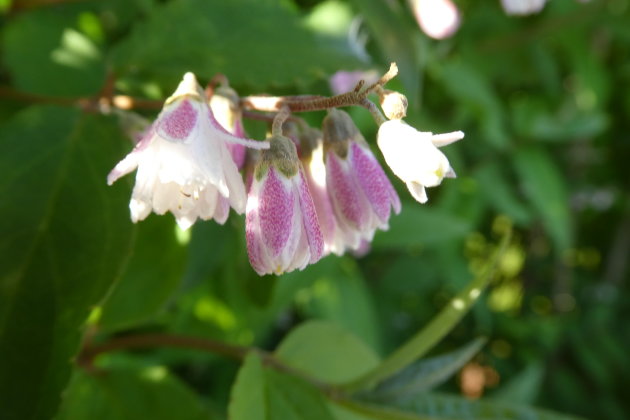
column 394, row 104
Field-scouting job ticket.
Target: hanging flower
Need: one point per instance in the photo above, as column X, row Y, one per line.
column 282, row 229
column 224, row 106
column 414, row 155
column 184, row 165
column 361, row 195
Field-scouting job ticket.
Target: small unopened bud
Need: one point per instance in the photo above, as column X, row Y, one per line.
column 394, row 105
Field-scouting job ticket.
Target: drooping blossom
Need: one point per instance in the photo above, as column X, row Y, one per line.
column 361, row 195
column 438, row 19
column 414, row 156
column 282, row 229
column 522, row 7
column 312, row 158
column 184, row 165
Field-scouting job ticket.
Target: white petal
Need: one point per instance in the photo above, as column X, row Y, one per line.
column 139, row 209
column 441, row 140
column 128, row 164
column 417, row 191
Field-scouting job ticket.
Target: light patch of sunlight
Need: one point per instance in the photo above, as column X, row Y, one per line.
column 589, row 258
column 95, row 315
column 586, row 99
column 154, row 373
column 331, row 17
column 512, row 261
column 501, row 348
column 90, row 25
column 474, row 293
column 152, row 90
column 506, row 297
column 209, row 309
column 76, row 50
column 458, row 304
column 182, row 236
column 4, row 5
column 321, row 289
column 318, row 170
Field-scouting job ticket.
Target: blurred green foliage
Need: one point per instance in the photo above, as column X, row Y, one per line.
column 544, row 103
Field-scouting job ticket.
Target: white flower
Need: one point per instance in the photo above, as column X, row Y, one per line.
column 439, row 19
column 522, row 7
column 184, row 165
column 414, row 156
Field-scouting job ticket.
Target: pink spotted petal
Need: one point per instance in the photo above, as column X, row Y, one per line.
column 309, row 217
column 275, row 209
column 374, row 182
column 345, row 193
column 177, row 123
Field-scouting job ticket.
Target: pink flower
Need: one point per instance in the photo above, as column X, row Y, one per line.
column 282, row 229
column 522, row 7
column 439, row 19
column 360, row 192
column 224, row 106
column 184, row 165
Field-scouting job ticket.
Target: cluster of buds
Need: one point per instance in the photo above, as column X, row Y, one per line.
column 307, row 192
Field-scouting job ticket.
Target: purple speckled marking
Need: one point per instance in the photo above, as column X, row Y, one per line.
column 276, row 213
column 252, row 235
column 179, row 123
column 310, row 221
column 344, row 193
column 374, row 182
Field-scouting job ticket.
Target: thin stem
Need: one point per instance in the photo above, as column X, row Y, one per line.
column 376, row 113
column 439, row 326
column 278, row 121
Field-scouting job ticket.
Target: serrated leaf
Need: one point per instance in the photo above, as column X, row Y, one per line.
column 46, row 54
column 64, row 239
column 155, row 270
column 420, row 226
column 252, row 42
column 130, row 394
column 545, row 188
column 425, row 374
column 261, row 393
column 327, row 352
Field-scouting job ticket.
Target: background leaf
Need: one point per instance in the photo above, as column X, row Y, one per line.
column 61, row 249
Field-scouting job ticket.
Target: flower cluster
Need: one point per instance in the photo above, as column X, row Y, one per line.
column 308, row 192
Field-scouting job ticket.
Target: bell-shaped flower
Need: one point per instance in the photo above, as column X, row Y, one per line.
column 361, row 195
column 282, row 229
column 184, row 165
column 312, row 157
column 414, row 155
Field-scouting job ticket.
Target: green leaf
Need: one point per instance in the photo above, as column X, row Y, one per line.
column 154, row 272
column 545, row 188
column 339, row 294
column 130, row 394
column 524, row 387
column 417, row 225
column 425, row 374
column 437, row 328
column 499, row 191
column 397, row 40
column 253, row 42
column 263, row 393
column 439, row 406
column 46, row 54
column 468, row 86
column 326, row 352
column 64, row 239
